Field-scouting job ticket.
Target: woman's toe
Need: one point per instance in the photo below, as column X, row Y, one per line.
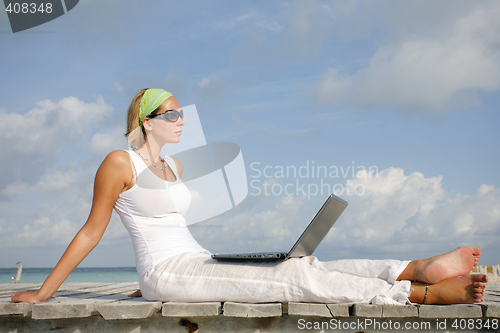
column 479, row 285
column 478, row 295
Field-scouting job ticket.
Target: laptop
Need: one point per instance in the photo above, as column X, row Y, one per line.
column 322, row 222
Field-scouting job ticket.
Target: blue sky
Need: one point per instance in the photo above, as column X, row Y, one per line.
column 410, row 88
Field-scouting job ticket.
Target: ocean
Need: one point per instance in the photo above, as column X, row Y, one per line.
column 95, row 274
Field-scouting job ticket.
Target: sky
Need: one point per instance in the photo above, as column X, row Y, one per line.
column 391, row 104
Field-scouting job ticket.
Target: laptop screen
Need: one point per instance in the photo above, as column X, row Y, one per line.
column 318, row 228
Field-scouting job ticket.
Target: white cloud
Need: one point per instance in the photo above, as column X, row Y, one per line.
column 58, row 207
column 211, row 88
column 205, row 81
column 40, row 130
column 387, row 200
column 396, row 214
column 42, row 221
column 430, row 71
column 234, row 21
column 310, row 23
column 16, row 188
column 247, row 21
column 47, row 231
column 269, row 25
column 104, row 143
column 399, row 213
column 57, row 182
column 32, row 141
column 117, row 87
column 43, row 148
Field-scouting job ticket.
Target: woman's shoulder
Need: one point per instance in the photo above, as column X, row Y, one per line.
column 118, row 157
column 118, row 160
column 114, row 175
column 117, row 167
column 176, row 160
column 178, row 165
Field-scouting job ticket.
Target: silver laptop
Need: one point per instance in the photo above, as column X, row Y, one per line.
column 307, row 242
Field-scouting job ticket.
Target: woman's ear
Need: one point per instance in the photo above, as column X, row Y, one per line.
column 146, row 124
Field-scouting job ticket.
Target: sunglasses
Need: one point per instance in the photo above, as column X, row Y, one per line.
column 169, row 115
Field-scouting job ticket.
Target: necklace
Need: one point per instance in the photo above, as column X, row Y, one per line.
column 164, row 163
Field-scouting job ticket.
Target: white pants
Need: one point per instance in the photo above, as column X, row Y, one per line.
column 196, row 277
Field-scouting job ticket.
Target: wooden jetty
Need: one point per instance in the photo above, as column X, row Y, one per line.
column 105, row 307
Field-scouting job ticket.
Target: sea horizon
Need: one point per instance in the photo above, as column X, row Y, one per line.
column 80, row 274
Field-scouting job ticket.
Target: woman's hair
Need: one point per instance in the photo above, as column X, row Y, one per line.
column 135, row 133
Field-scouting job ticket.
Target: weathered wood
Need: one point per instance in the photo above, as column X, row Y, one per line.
column 18, row 286
column 71, row 300
column 394, row 311
column 450, row 311
column 491, row 310
column 128, row 309
column 339, row 310
column 57, row 311
column 7, row 308
column 367, row 310
column 308, row 309
column 94, row 292
column 110, row 301
column 231, row 309
column 171, row 309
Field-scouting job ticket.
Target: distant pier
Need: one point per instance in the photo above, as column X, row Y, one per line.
column 18, row 275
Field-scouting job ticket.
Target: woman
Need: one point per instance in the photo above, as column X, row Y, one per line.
column 146, row 190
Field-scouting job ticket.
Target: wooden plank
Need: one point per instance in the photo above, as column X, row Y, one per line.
column 75, row 296
column 178, row 309
column 84, row 285
column 128, row 309
column 8, row 292
column 308, row 309
column 7, row 308
column 450, row 311
column 80, row 305
column 8, row 287
column 260, row 310
column 76, row 300
column 57, row 311
column 93, row 299
column 97, row 290
column 35, row 286
column 76, row 289
column 72, row 300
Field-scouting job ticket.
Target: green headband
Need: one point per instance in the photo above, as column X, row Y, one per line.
column 150, row 101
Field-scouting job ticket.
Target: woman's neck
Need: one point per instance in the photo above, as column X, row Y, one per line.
column 151, row 151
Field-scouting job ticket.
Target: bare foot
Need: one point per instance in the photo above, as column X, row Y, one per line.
column 452, row 264
column 466, row 289
column 137, row 293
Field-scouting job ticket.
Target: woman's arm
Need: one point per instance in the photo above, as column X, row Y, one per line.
column 113, row 177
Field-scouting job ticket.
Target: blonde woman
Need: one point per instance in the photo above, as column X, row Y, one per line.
column 146, row 190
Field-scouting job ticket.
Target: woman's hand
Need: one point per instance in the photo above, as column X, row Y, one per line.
column 26, row 296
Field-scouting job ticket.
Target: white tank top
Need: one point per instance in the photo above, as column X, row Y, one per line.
column 153, row 213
